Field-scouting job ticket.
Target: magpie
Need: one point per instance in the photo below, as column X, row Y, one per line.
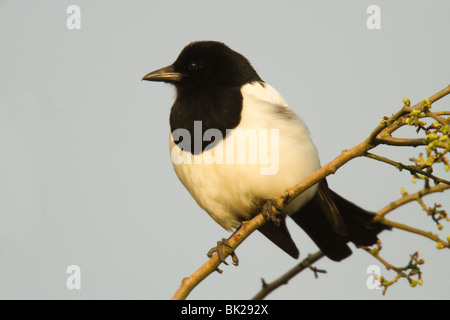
column 235, row 145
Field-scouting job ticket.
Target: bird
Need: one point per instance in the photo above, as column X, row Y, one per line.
column 236, row 145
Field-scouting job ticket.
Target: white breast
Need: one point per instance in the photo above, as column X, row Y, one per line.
column 268, row 152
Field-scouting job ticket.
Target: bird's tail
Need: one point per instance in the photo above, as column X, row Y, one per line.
column 354, row 224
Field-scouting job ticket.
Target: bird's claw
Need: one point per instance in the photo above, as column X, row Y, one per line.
column 222, row 249
column 269, row 213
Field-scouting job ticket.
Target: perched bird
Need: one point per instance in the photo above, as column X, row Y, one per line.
column 235, row 145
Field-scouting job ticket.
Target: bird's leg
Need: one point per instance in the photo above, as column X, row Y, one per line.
column 269, row 213
column 222, row 249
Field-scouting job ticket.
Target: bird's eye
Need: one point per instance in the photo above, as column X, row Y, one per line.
column 194, row 65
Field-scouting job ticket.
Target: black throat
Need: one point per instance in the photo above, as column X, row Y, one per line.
column 194, row 112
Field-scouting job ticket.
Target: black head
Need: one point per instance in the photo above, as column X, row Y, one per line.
column 205, row 64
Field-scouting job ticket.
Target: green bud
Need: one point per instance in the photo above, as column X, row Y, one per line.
column 432, row 146
column 439, row 246
column 407, row 102
column 445, row 129
column 432, row 136
column 413, row 283
column 420, row 281
column 440, row 226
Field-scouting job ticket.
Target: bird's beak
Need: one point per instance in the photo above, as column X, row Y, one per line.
column 167, row 74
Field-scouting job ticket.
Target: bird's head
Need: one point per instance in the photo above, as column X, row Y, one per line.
column 205, row 64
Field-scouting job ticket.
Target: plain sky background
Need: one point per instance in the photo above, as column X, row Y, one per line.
column 85, row 172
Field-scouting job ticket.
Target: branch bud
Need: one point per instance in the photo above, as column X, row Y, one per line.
column 432, row 136
column 432, row 146
column 445, row 129
column 439, row 246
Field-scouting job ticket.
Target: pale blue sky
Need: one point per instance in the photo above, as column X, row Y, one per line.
column 85, row 172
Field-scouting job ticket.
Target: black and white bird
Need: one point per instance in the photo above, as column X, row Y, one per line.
column 235, row 144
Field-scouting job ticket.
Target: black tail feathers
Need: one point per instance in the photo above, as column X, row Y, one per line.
column 358, row 222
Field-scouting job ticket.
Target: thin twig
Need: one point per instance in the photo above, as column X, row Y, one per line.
column 409, row 271
column 306, row 263
column 427, row 234
column 405, row 142
column 409, row 198
column 412, row 169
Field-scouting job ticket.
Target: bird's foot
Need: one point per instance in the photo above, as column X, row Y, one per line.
column 222, row 249
column 269, row 213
